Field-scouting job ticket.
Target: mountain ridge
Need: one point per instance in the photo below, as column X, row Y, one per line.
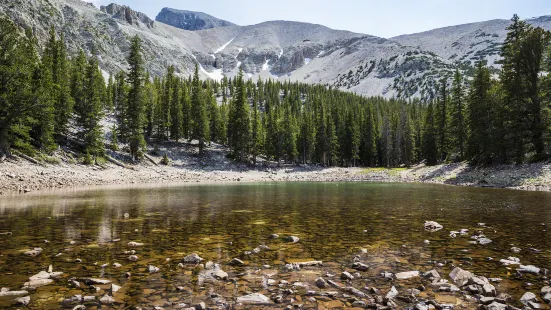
column 407, row 66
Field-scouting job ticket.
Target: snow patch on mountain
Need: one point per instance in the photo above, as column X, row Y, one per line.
column 223, row 47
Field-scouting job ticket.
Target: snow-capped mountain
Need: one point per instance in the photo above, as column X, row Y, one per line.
column 405, row 66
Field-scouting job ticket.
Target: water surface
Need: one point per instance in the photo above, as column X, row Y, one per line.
column 220, row 222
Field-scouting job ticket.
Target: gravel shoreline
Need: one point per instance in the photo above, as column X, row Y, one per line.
column 20, row 176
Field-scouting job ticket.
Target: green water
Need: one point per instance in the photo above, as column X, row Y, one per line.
column 220, row 222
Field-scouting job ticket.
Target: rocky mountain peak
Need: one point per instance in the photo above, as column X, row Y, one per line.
column 125, row 13
column 189, row 20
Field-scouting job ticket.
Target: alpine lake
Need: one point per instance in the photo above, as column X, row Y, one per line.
column 276, row 246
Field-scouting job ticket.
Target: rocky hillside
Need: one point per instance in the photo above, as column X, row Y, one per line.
column 405, row 66
column 189, row 20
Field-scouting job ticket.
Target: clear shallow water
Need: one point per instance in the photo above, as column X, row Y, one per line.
column 219, row 222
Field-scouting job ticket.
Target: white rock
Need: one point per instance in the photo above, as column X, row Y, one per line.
column 407, row 275
column 253, row 299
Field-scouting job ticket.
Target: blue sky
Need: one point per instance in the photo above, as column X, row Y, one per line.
column 384, row 18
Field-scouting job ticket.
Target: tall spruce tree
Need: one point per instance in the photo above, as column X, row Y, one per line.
column 458, row 128
column 136, row 104
column 239, row 121
column 199, row 112
column 430, row 148
column 478, row 117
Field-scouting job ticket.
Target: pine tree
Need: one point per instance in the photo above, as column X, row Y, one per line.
column 17, row 65
column 63, row 101
column 478, row 117
column 136, row 105
column 43, row 93
column 458, row 132
column 200, row 121
column 239, row 121
column 430, row 148
column 186, row 110
column 514, row 89
column 257, row 134
column 120, row 103
column 90, row 109
column 176, row 112
column 289, row 133
column 369, row 136
column 441, row 119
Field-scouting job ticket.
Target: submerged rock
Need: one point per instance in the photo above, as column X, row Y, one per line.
column 107, row 300
column 135, row 244
column 433, row 226
column 153, row 269
column 34, row 252
column 407, row 275
column 292, row 239
column 255, row 298
column 460, row 276
column 36, row 283
column 192, row 259
column 529, row 269
column 6, row 292
column 360, row 266
column 236, row 262
column 527, row 298
column 23, row 300
column 346, row 276
column 392, row 293
column 321, row 283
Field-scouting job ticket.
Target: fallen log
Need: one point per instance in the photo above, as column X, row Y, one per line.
column 116, row 162
column 28, row 158
column 151, row 159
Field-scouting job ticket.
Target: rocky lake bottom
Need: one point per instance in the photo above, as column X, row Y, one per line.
column 276, row 246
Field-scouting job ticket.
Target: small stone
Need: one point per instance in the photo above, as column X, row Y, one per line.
column 433, row 226
column 346, row 276
column 133, row 258
column 23, row 300
column 115, row 288
column 255, row 298
column 117, row 265
column 527, row 297
column 192, row 259
column 107, row 300
column 292, row 239
column 153, row 269
column 515, row 250
column 34, row 252
column 407, row 275
column 236, row 262
column 486, row 300
column 360, row 266
column 274, row 236
column 321, row 283
column 392, row 293
column 460, row 276
column 200, row 306
column 135, row 244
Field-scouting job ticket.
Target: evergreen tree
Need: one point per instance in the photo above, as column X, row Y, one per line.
column 441, row 119
column 176, row 112
column 199, row 112
column 430, row 148
column 120, row 103
column 90, row 110
column 257, row 134
column 457, row 118
column 478, row 117
column 239, row 121
column 136, row 105
column 17, row 66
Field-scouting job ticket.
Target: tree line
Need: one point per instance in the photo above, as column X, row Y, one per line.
column 50, row 99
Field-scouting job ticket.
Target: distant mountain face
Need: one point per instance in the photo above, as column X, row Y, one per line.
column 189, row 20
column 405, row 66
